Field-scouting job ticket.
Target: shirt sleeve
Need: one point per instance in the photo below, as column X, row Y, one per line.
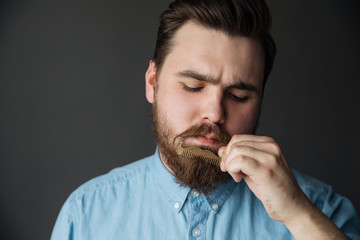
column 64, row 226
column 343, row 214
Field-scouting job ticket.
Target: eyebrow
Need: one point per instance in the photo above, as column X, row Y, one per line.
column 241, row 85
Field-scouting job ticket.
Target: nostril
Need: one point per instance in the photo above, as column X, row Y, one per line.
column 215, row 115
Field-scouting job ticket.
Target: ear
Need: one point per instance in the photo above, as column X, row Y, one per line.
column 150, row 81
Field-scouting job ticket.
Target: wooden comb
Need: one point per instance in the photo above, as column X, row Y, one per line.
column 206, row 155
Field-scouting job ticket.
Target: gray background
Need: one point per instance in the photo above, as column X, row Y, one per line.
column 72, row 102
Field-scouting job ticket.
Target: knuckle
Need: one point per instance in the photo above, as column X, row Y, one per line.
column 236, row 138
column 245, row 142
column 234, row 164
column 276, row 148
column 273, row 162
column 237, row 148
column 232, row 148
column 268, row 172
column 231, row 168
column 268, row 139
column 241, row 158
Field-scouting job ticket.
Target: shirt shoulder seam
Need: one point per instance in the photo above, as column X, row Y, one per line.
column 115, row 176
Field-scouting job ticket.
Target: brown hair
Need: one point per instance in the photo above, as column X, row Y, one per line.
column 246, row 18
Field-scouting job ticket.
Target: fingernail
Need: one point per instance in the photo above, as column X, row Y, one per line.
column 221, row 151
column 222, row 166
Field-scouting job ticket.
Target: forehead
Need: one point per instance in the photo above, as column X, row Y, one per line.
column 214, row 53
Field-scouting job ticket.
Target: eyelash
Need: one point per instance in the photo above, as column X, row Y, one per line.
column 190, row 89
column 229, row 94
column 237, row 99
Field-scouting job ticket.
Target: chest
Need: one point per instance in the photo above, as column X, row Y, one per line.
column 153, row 217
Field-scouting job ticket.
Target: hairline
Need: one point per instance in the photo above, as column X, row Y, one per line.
column 171, row 42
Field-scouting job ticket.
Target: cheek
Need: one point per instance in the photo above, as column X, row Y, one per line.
column 242, row 120
column 177, row 108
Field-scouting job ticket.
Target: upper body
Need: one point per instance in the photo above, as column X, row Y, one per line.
column 143, row 201
column 205, row 83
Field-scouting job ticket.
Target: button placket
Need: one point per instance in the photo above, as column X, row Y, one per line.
column 199, row 213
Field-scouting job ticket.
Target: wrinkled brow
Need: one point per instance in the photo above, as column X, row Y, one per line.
column 207, row 78
column 197, row 76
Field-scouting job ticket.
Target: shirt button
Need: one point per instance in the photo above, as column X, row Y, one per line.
column 195, row 193
column 176, row 205
column 214, row 206
column 196, row 232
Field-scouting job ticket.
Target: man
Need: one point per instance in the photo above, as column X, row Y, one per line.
column 206, row 82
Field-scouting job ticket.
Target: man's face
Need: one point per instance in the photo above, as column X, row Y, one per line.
column 207, row 79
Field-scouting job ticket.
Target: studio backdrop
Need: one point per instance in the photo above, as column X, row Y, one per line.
column 73, row 106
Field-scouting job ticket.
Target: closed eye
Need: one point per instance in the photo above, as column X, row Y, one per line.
column 237, row 98
column 190, row 89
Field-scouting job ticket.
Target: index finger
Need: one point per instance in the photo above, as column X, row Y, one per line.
column 247, row 137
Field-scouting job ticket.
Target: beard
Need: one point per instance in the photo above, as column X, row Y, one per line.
column 193, row 172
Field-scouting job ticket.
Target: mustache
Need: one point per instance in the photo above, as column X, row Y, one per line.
column 202, row 130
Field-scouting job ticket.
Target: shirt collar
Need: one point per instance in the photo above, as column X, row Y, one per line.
column 176, row 194
column 166, row 183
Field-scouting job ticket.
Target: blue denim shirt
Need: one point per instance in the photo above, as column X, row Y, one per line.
column 143, row 201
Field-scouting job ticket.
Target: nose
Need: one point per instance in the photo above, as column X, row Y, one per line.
column 213, row 109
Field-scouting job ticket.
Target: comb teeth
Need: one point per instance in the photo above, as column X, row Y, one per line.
column 206, row 155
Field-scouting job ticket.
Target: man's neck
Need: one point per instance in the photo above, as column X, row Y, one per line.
column 162, row 158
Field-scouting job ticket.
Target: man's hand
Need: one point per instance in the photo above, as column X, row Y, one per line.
column 260, row 162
